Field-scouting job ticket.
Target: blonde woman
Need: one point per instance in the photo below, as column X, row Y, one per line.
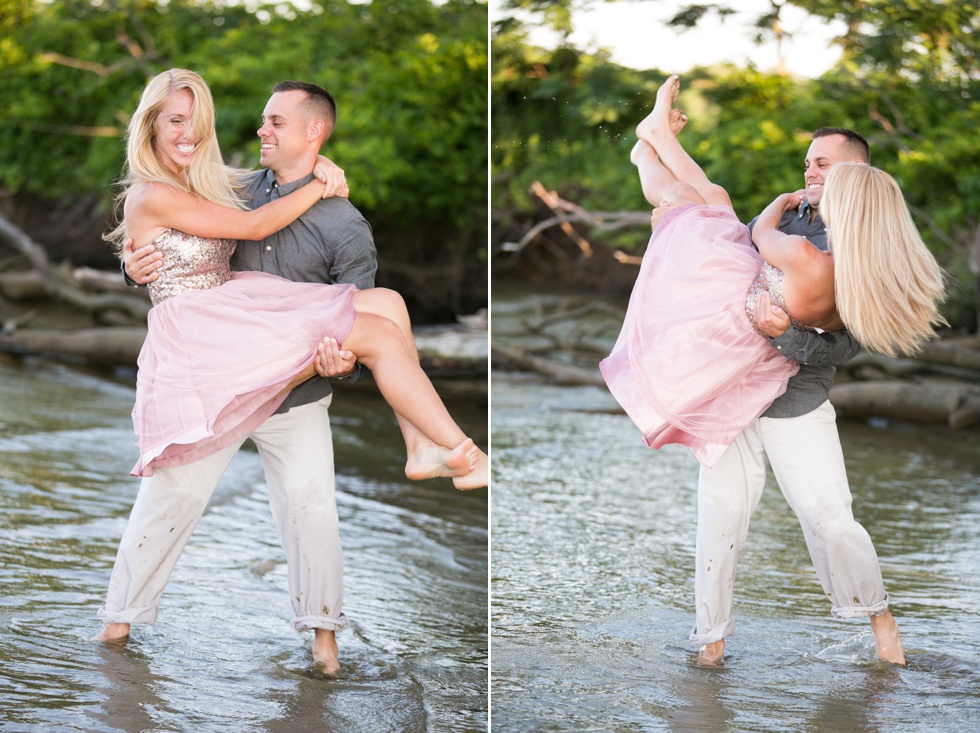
column 224, row 348
column 689, row 366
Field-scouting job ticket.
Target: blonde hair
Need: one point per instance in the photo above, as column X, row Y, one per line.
column 888, row 284
column 207, row 176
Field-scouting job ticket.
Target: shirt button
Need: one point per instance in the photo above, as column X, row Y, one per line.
column 779, row 347
column 268, row 248
column 267, row 190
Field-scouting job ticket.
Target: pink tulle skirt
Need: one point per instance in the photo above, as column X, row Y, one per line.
column 688, row 367
column 215, row 361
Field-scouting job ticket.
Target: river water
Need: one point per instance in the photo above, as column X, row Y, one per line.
column 223, row 656
column 592, row 580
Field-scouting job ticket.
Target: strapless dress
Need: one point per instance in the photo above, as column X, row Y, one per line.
column 220, row 348
column 689, row 366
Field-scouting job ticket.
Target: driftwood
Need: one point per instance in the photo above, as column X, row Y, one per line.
column 60, row 284
column 956, row 405
column 565, row 213
column 444, row 351
column 107, row 347
column 514, row 357
column 31, row 284
column 940, row 385
column 870, row 366
column 458, row 353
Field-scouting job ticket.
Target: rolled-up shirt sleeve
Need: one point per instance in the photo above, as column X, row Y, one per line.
column 827, row 348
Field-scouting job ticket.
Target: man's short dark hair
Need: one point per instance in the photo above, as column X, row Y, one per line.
column 319, row 100
column 856, row 146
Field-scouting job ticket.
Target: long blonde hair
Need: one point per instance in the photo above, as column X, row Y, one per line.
column 888, row 285
column 207, row 176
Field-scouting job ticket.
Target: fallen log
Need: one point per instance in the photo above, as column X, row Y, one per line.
column 106, row 347
column 514, row 357
column 879, row 365
column 62, row 286
column 445, row 351
column 941, row 353
column 957, row 405
column 452, row 351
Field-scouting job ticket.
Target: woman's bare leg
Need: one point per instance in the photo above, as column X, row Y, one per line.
column 658, row 130
column 382, row 340
column 658, row 183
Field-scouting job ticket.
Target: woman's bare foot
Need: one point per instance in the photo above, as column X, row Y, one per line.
column 643, row 149
column 478, row 477
column 112, row 632
column 888, row 641
column 712, row 654
column 658, row 121
column 677, row 121
column 326, row 655
column 433, row 461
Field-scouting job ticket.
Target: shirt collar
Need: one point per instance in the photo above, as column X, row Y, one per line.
column 287, row 188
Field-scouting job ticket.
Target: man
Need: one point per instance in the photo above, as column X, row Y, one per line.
column 330, row 243
column 798, row 435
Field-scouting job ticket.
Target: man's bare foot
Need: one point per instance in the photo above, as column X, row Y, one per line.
column 326, row 655
column 658, row 121
column 112, row 632
column 478, row 477
column 433, row 461
column 887, row 639
column 712, row 654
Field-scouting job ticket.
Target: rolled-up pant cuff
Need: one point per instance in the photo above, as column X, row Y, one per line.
column 330, row 623
column 141, row 615
column 718, row 633
column 860, row 611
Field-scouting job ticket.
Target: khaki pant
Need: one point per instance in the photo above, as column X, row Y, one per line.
column 807, row 461
column 297, row 453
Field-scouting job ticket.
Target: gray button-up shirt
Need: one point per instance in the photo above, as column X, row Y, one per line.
column 817, row 354
column 330, row 243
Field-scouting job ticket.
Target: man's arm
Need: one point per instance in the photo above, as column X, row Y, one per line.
column 355, row 263
column 828, row 348
column 355, row 258
column 140, row 266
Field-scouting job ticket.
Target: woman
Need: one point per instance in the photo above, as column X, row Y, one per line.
column 689, row 366
column 223, row 349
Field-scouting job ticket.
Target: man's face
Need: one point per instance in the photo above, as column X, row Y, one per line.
column 285, row 130
column 824, row 153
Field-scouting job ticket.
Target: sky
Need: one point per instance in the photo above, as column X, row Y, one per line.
column 637, row 36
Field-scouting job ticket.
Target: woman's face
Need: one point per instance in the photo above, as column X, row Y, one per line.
column 173, row 131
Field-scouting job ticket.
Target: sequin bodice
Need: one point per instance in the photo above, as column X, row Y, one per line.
column 190, row 263
column 769, row 280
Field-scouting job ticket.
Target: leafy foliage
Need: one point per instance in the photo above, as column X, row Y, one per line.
column 410, row 79
column 567, row 118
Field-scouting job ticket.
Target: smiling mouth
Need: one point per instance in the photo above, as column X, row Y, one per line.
column 186, row 149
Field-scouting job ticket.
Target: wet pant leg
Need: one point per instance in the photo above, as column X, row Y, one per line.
column 806, row 458
column 168, row 507
column 728, row 494
column 297, row 452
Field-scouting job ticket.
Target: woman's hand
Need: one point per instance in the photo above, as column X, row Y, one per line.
column 792, row 201
column 332, row 176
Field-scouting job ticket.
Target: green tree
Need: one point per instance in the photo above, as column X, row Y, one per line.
column 409, row 77
column 567, row 118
